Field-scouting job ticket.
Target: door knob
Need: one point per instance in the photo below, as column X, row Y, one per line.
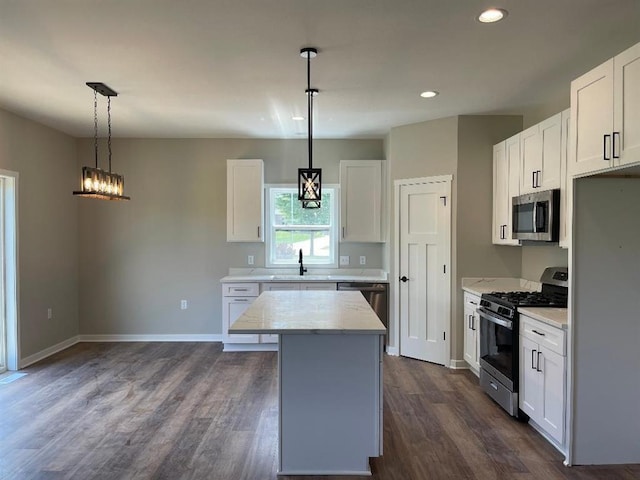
column 403, row 279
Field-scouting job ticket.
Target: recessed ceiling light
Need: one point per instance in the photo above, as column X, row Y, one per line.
column 429, row 94
column 492, row 15
column 297, row 118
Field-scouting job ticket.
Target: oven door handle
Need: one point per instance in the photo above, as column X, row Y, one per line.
column 492, row 318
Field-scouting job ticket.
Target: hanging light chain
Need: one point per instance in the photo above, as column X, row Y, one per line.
column 109, row 124
column 95, row 124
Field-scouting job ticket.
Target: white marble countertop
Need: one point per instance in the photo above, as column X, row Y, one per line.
column 314, row 275
column 478, row 286
column 556, row 317
column 309, row 312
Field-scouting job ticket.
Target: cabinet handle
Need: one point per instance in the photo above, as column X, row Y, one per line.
column 342, row 232
column 538, row 363
column 493, row 385
column 473, row 322
column 604, row 144
column 240, row 289
column 533, row 367
column 473, row 303
column 538, row 172
column 616, row 134
column 240, row 300
column 538, row 333
column 258, row 231
column 533, row 179
column 469, row 322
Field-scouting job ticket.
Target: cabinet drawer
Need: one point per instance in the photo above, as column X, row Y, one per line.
column 240, row 290
column 543, row 334
column 471, row 301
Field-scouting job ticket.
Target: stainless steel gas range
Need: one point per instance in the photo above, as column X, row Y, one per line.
column 499, row 330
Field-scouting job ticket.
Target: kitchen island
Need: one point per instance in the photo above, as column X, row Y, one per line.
column 330, row 378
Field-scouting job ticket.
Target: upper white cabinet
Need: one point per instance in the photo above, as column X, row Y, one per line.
column 566, row 183
column 540, row 153
column 605, row 118
column 506, row 184
column 245, row 206
column 361, row 200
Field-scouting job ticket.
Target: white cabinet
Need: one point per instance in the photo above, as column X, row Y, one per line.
column 530, row 159
column 236, row 298
column 605, row 119
column 566, row 183
column 361, row 201
column 506, row 184
column 245, row 205
column 540, row 154
column 542, row 393
column 471, row 332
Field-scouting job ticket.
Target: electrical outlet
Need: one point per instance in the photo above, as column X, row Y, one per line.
column 49, row 313
column 183, row 305
column 250, row 259
column 363, row 260
column 344, row 259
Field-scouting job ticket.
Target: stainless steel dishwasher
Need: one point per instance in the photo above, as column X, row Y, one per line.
column 377, row 294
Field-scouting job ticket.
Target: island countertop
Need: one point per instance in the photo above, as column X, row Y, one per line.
column 309, row 312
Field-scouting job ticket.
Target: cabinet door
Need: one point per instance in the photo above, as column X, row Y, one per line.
column 233, row 307
column 626, row 128
column 361, row 200
column 500, row 192
column 592, row 120
column 551, row 417
column 470, row 337
column 245, row 204
column 530, row 159
column 548, row 176
column 530, row 386
column 512, row 148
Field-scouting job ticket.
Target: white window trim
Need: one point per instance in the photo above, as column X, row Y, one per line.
column 335, row 227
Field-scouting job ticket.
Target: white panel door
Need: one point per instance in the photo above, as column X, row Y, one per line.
column 233, row 307
column 530, row 159
column 551, row 157
column 425, row 225
column 626, row 129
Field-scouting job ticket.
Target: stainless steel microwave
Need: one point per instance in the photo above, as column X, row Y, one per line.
column 536, row 216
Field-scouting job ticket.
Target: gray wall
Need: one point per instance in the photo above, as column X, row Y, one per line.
column 138, row 259
column 47, row 230
column 536, row 258
column 462, row 147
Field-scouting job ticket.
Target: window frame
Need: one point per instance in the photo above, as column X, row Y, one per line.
column 334, row 228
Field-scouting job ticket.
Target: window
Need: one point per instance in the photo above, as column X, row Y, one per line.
column 291, row 228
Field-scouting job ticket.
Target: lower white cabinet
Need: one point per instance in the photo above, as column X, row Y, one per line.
column 542, row 393
column 472, row 332
column 236, row 298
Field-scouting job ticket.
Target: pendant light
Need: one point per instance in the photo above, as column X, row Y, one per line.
column 309, row 179
column 98, row 183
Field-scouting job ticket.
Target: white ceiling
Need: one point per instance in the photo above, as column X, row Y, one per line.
column 231, row 68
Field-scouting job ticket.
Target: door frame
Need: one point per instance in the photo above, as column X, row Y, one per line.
column 9, row 230
column 396, row 255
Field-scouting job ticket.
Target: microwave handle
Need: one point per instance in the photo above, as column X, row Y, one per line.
column 539, row 226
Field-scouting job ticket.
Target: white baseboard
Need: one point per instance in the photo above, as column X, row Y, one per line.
column 42, row 354
column 152, row 338
column 458, row 365
column 393, row 351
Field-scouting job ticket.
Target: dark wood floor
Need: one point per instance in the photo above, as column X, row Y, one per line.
column 189, row 411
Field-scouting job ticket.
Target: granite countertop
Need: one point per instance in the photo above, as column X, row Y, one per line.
column 478, row 286
column 556, row 317
column 309, row 312
column 314, row 275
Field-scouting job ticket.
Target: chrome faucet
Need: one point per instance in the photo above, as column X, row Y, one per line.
column 302, row 269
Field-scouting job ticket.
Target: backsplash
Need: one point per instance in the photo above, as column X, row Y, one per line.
column 536, row 258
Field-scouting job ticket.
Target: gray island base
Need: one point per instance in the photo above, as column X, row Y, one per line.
column 330, row 378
